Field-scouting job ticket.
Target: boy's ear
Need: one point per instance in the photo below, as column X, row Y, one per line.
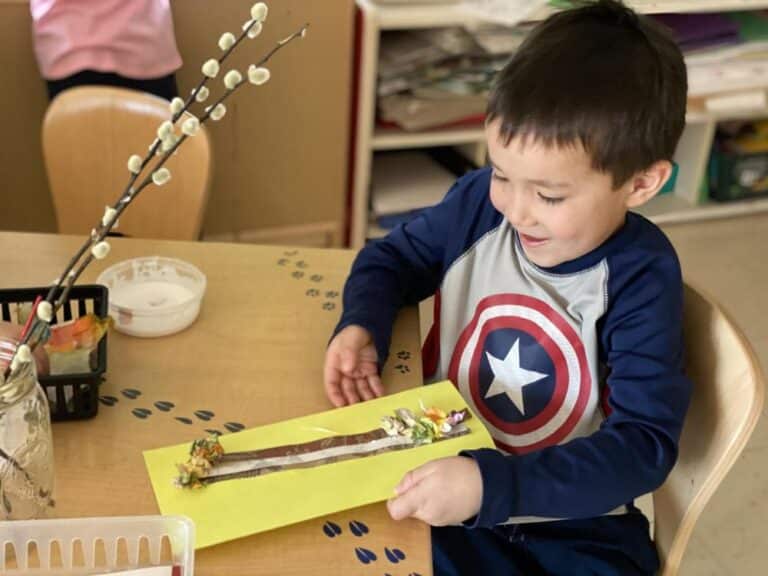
column 646, row 184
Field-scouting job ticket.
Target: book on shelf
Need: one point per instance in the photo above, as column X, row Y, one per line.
column 698, row 31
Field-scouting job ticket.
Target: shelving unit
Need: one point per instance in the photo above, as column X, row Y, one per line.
column 692, row 153
column 386, row 139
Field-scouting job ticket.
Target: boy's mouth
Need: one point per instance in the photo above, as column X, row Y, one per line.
column 531, row 241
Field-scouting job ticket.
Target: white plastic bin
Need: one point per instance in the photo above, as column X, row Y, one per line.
column 110, row 530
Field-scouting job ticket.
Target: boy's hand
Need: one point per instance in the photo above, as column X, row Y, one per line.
column 441, row 492
column 351, row 372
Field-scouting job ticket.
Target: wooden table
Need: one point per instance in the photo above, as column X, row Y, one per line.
column 254, row 356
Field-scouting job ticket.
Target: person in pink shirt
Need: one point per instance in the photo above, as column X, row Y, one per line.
column 127, row 43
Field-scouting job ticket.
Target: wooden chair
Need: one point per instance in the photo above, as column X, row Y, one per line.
column 728, row 391
column 88, row 135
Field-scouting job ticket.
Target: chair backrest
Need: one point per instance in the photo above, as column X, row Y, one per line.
column 89, row 133
column 728, row 390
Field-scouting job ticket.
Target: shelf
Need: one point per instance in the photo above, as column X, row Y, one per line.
column 412, row 16
column 667, row 209
column 724, row 115
column 395, row 139
column 392, row 138
column 409, row 16
column 692, row 153
column 672, row 209
column 660, row 7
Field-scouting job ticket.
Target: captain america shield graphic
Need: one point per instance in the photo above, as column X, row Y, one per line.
column 524, row 371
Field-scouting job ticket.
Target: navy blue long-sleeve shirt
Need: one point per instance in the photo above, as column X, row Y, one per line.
column 576, row 370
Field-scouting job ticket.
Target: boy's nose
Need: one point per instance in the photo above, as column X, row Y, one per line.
column 519, row 213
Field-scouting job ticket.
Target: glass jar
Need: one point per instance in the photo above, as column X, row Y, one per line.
column 26, row 444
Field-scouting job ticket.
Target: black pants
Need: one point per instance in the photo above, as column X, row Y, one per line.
column 165, row 86
column 603, row 546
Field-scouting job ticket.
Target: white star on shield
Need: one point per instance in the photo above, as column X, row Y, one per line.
column 510, row 378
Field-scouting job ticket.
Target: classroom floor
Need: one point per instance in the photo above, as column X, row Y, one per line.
column 725, row 257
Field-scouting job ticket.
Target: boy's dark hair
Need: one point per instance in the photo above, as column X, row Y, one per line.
column 599, row 75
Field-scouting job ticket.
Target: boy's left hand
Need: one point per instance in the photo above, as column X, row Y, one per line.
column 441, row 492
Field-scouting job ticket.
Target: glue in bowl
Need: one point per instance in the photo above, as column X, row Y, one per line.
column 153, row 296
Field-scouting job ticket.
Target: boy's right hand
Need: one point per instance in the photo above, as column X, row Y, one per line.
column 351, row 372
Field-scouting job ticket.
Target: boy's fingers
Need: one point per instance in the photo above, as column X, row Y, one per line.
column 370, row 371
column 335, row 396
column 403, row 506
column 412, row 478
column 364, row 389
column 332, row 383
column 349, row 389
column 375, row 383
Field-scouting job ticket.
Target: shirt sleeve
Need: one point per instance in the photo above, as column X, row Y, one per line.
column 636, row 446
column 408, row 265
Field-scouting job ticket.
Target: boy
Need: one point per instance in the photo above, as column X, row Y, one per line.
column 558, row 311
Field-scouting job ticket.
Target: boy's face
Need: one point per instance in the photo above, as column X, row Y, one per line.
column 561, row 207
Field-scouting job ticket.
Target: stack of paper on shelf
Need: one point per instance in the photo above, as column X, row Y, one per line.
column 507, row 12
column 437, row 77
column 403, row 182
column 727, row 58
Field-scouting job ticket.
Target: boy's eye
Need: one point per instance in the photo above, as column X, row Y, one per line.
column 550, row 199
column 496, row 176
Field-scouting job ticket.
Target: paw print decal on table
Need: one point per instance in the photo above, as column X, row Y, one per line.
column 331, row 529
column 168, row 407
column 108, row 400
column 358, row 528
column 141, row 413
column 364, row 555
column 234, row 426
column 401, row 359
column 204, row 415
column 394, row 555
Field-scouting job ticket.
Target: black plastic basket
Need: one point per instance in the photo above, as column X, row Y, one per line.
column 71, row 396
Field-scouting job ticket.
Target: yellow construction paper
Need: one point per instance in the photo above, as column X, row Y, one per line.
column 235, row 508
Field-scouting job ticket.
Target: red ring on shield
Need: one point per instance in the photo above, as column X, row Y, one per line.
column 555, row 354
column 562, row 377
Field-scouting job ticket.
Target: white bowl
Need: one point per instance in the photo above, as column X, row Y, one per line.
column 153, row 296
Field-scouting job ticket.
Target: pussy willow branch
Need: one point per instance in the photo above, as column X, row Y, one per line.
column 80, row 260
column 192, row 95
